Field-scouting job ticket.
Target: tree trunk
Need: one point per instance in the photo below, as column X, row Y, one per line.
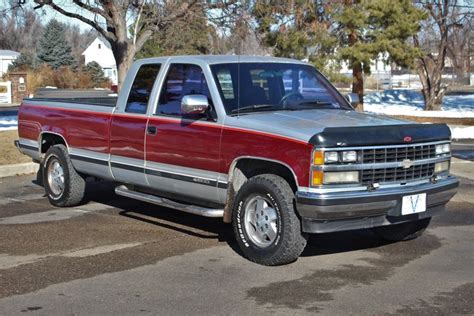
column 123, row 53
column 433, row 98
column 430, row 76
column 357, row 71
column 358, row 84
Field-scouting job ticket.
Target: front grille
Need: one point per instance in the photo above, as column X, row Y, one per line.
column 394, row 154
column 380, row 175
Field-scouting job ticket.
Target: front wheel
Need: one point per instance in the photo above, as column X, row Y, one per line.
column 403, row 231
column 265, row 223
column 63, row 185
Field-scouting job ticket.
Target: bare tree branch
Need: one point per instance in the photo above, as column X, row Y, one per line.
column 81, row 18
column 90, row 8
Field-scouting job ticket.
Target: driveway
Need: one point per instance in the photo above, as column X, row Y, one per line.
column 118, row 256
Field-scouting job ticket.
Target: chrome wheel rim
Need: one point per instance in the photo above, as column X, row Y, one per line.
column 261, row 221
column 55, row 177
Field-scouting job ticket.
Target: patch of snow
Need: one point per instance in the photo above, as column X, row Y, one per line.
column 9, row 122
column 462, row 132
column 410, row 102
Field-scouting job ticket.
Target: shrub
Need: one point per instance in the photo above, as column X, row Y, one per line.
column 62, row 78
column 95, row 72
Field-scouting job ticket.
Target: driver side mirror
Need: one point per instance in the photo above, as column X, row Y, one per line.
column 353, row 98
column 194, row 104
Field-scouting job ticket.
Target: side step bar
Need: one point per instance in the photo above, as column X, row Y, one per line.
column 193, row 209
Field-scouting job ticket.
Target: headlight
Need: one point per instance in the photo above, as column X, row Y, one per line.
column 441, row 167
column 341, row 177
column 331, row 157
column 443, row 149
column 337, row 156
column 349, row 156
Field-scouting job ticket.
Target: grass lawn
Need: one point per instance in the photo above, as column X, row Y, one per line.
column 9, row 154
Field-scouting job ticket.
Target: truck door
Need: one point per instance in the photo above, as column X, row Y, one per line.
column 182, row 157
column 127, row 130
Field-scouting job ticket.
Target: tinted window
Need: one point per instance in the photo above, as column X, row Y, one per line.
column 140, row 91
column 274, row 87
column 181, row 80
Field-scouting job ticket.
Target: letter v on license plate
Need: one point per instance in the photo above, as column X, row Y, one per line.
column 412, row 204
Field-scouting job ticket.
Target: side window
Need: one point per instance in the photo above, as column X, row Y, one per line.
column 140, row 91
column 224, row 78
column 181, row 80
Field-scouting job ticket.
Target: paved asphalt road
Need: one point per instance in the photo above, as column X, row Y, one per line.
column 118, row 256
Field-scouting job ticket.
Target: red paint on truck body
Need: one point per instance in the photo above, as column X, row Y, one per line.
column 81, row 129
column 184, row 143
column 238, row 142
column 193, row 144
column 127, row 136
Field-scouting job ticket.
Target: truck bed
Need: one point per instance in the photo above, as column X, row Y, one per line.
column 101, row 101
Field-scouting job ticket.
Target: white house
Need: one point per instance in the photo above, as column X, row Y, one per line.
column 6, row 58
column 100, row 52
column 379, row 67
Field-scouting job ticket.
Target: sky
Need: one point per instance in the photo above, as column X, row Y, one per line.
column 47, row 13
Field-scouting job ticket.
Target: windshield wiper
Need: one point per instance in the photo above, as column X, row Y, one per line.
column 318, row 103
column 252, row 108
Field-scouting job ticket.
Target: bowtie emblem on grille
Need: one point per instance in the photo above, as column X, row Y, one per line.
column 407, row 163
column 407, row 139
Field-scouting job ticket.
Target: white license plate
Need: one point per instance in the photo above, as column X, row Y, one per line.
column 412, row 204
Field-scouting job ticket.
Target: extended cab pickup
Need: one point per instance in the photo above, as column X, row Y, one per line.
column 267, row 144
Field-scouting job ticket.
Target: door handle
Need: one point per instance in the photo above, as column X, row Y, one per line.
column 151, row 130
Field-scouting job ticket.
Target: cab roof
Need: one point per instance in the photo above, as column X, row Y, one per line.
column 222, row 59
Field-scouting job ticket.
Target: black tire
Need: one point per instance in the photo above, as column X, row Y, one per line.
column 290, row 241
column 403, row 231
column 74, row 185
column 39, row 175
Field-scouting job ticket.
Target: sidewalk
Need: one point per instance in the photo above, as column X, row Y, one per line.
column 8, row 105
column 18, row 169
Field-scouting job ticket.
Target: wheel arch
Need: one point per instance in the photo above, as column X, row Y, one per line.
column 245, row 167
column 48, row 139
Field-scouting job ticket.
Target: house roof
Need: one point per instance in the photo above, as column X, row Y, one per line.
column 7, row 52
column 100, row 39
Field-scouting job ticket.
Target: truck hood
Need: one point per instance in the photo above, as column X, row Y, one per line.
column 328, row 127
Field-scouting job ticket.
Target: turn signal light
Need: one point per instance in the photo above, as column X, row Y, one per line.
column 318, row 158
column 316, row 177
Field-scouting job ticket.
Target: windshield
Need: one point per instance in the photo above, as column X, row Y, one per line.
column 254, row 87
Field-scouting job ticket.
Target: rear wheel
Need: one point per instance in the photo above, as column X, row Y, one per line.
column 266, row 226
column 63, row 185
column 403, row 231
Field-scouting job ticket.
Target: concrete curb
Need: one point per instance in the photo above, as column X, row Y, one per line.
column 18, row 169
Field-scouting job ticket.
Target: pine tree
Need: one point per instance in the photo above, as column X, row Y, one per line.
column 53, row 49
column 368, row 28
column 94, row 70
column 25, row 61
column 301, row 30
column 354, row 31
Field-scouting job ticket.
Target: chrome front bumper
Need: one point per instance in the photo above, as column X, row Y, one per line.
column 337, row 211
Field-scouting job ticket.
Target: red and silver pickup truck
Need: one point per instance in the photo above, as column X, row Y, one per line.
column 268, row 144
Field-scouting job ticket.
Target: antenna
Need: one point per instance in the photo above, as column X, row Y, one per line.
column 238, row 86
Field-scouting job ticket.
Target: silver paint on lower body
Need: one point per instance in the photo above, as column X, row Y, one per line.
column 91, row 163
column 30, row 148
